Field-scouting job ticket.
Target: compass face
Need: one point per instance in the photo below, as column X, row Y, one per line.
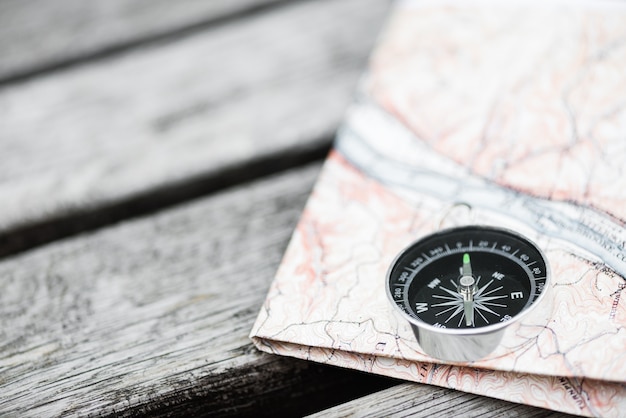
column 467, row 278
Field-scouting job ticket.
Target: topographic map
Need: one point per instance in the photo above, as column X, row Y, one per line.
column 512, row 115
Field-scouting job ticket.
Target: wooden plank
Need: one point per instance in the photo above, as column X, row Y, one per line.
column 416, row 400
column 153, row 316
column 40, row 35
column 101, row 134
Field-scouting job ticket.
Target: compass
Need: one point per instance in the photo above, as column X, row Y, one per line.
column 461, row 288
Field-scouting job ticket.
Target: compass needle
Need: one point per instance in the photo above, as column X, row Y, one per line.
column 467, row 265
column 468, row 306
column 467, row 289
column 434, row 283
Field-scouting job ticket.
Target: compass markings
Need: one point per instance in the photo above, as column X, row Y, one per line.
column 482, row 289
column 421, row 307
column 454, row 306
column 489, row 292
column 488, row 299
column 434, row 283
column 481, row 315
column 479, row 305
column 453, row 293
column 452, row 302
column 459, row 309
column 446, row 297
column 461, row 321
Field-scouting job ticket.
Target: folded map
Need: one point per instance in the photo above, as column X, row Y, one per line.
column 510, row 114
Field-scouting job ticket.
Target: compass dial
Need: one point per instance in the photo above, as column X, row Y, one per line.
column 467, row 280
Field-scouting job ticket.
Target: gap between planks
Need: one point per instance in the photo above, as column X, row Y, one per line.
column 24, row 56
column 424, row 401
column 98, row 152
column 33, row 235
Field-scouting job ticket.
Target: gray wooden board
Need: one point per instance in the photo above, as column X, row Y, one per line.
column 100, row 133
column 152, row 315
column 36, row 35
column 416, row 400
column 149, row 315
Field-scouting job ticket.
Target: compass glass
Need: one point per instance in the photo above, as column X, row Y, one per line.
column 468, row 277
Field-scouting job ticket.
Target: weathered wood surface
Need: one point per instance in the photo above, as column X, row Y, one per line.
column 152, row 316
column 415, row 400
column 37, row 36
column 155, row 120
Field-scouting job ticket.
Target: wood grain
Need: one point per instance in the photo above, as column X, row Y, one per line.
column 153, row 316
column 38, row 36
column 415, row 400
column 99, row 134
